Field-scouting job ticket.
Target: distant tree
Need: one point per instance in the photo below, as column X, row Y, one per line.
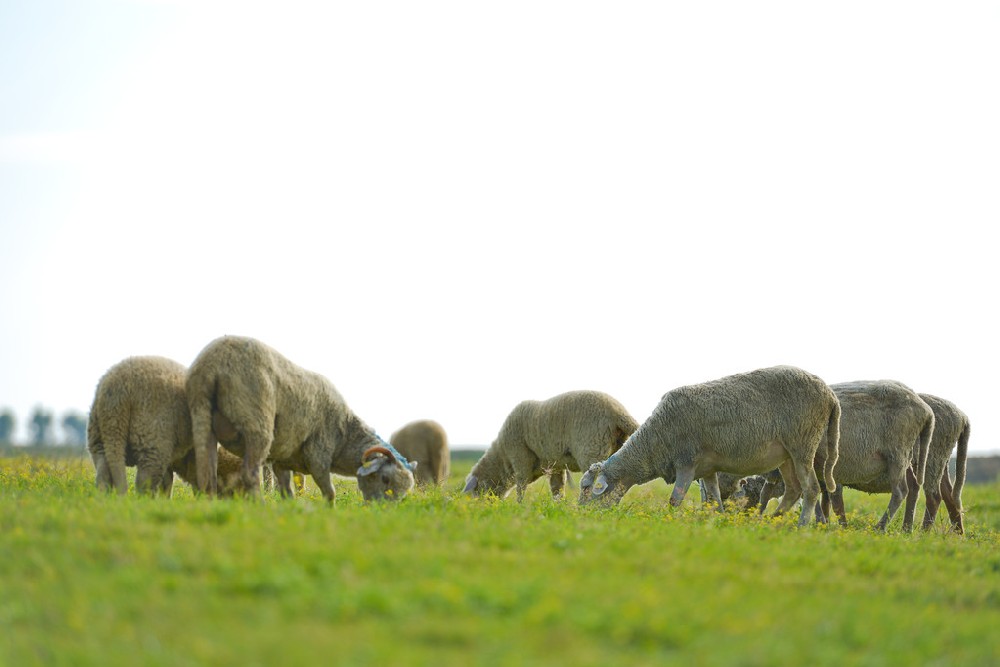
column 75, row 429
column 41, row 424
column 7, row 424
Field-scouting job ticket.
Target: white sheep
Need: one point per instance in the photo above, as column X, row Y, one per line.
column 568, row 431
column 744, row 424
column 885, row 431
column 262, row 407
column 425, row 443
column 951, row 425
column 139, row 417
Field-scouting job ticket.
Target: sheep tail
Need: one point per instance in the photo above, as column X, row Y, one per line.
column 200, row 405
column 924, row 443
column 961, row 455
column 832, row 447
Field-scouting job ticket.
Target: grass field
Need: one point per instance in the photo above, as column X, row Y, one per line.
column 89, row 579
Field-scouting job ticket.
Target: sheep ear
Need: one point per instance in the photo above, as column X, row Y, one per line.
column 600, row 485
column 471, row 482
column 413, row 466
column 371, row 466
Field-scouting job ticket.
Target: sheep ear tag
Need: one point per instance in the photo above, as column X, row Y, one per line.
column 600, row 485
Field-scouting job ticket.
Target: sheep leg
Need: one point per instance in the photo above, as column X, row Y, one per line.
column 837, row 500
column 912, row 491
column 899, row 489
column 115, row 453
column 319, row 467
column 710, row 485
column 787, row 470
column 824, row 505
column 283, row 480
column 954, row 509
column 557, row 478
column 257, row 445
column 681, row 483
column 147, row 478
column 103, row 480
column 806, row 476
column 167, row 483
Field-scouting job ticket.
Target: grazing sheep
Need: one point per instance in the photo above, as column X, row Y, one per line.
column 139, row 417
column 750, row 487
column 377, row 476
column 425, row 443
column 745, row 424
column 761, row 488
column 261, row 406
column 730, row 486
column 885, row 430
column 772, row 486
column 951, row 425
column 568, row 431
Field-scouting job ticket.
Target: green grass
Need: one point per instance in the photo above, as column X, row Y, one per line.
column 89, row 579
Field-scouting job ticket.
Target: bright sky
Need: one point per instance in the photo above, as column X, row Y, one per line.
column 449, row 207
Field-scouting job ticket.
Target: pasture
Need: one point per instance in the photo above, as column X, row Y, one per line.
column 441, row 579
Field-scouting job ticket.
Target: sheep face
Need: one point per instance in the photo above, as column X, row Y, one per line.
column 597, row 486
column 382, row 476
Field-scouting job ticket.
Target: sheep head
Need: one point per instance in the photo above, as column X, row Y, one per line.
column 597, row 486
column 382, row 476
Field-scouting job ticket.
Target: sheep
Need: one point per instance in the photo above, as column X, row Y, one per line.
column 745, row 424
column 885, row 430
column 750, row 487
column 730, row 486
column 760, row 489
column 139, row 417
column 950, row 425
column 568, row 431
column 259, row 405
column 426, row 443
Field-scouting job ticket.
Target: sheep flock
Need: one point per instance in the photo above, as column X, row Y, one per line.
column 243, row 415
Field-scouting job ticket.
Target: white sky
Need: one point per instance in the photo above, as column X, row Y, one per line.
column 449, row 207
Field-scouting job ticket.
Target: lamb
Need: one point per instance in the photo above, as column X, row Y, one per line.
column 569, row 431
column 950, row 425
column 139, row 417
column 885, row 431
column 750, row 487
column 426, row 443
column 730, row 486
column 260, row 406
column 745, row 424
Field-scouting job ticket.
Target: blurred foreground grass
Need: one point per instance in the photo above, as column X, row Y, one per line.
column 89, row 579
